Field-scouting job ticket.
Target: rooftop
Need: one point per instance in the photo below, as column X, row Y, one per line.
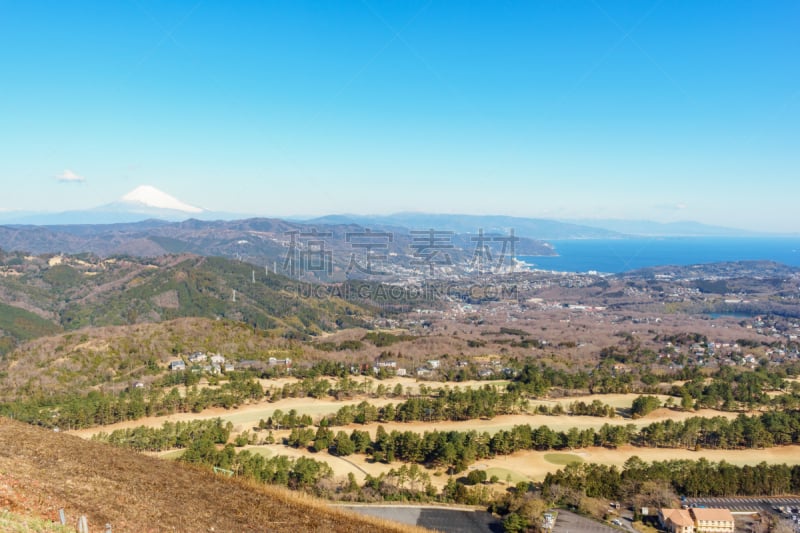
column 679, row 517
column 723, row 515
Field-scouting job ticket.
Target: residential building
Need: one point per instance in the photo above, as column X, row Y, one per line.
column 712, row 520
column 696, row 520
column 197, row 357
column 676, row 520
column 250, row 363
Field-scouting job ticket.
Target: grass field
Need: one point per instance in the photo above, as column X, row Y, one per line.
column 504, row 474
column 528, row 465
column 172, row 454
column 261, row 450
column 535, row 465
column 248, row 416
column 562, row 459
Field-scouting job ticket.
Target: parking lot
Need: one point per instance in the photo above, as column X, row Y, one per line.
column 432, row 517
column 568, row 522
column 787, row 508
column 746, row 505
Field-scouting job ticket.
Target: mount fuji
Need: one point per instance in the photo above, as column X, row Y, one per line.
column 147, row 198
column 145, row 202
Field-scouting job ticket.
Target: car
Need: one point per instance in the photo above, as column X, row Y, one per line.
column 617, row 522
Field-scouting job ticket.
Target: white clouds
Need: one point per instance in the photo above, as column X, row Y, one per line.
column 69, row 176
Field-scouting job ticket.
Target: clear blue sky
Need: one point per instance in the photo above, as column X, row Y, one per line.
column 666, row 110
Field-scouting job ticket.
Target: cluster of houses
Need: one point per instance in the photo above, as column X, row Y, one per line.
column 490, row 366
column 696, row 520
column 422, row 371
column 723, row 354
column 202, row 362
column 214, row 363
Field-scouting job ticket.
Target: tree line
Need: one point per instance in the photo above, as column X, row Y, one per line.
column 97, row 408
column 728, row 390
column 169, row 436
column 455, row 450
column 686, row 477
column 301, row 473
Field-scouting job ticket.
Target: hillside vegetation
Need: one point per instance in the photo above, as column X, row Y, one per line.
column 42, row 471
column 113, row 357
column 50, row 293
column 20, row 325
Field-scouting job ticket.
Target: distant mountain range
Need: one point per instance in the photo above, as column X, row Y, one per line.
column 286, row 247
column 152, row 207
column 532, row 228
column 648, row 228
column 539, row 228
column 142, row 203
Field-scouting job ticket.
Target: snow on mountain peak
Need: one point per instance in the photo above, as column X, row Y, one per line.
column 151, row 197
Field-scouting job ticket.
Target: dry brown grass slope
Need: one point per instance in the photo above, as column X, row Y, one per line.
column 42, row 471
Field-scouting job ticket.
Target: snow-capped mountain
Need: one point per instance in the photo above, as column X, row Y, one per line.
column 146, row 201
column 148, row 197
column 142, row 203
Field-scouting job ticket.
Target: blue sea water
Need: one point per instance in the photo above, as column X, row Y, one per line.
column 621, row 255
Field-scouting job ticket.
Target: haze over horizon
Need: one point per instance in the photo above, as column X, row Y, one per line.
column 656, row 110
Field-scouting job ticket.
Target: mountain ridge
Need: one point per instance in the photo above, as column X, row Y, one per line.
column 47, row 294
column 146, row 202
column 261, row 241
column 536, row 228
column 682, row 228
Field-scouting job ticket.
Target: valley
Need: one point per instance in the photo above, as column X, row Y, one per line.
column 457, row 394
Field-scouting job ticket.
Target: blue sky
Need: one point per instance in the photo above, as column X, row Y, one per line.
column 662, row 110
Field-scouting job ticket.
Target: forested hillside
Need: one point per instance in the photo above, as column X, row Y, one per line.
column 43, row 295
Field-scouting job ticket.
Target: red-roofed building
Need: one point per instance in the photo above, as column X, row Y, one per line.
column 676, row 520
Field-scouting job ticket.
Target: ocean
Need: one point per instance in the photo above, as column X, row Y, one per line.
column 621, row 255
